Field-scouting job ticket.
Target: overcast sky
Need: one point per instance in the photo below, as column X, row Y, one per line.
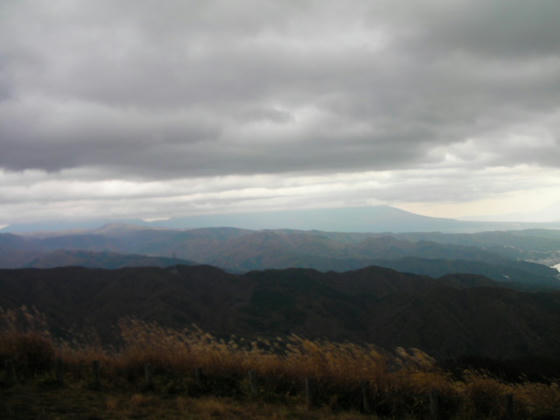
column 158, row 109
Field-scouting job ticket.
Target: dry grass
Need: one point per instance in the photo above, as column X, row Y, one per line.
column 398, row 384
column 292, row 356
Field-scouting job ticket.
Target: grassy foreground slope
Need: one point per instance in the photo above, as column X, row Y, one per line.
column 159, row 372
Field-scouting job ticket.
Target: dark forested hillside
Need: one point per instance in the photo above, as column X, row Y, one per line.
column 447, row 317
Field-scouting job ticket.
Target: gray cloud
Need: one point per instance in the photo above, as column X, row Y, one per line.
column 491, row 28
column 149, row 90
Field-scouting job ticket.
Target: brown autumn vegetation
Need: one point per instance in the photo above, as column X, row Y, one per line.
column 191, row 365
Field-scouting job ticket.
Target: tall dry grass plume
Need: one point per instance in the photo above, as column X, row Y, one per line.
column 193, row 362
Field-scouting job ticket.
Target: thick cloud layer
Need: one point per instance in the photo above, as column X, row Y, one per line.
column 138, row 92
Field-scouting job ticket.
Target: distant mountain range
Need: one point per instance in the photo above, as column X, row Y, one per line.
column 447, row 317
column 501, row 256
column 457, row 291
column 109, row 260
column 541, row 245
column 349, row 219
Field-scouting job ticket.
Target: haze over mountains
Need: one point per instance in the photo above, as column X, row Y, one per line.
column 516, row 257
column 349, row 219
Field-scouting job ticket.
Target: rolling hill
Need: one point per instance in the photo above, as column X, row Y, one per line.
column 103, row 259
column 447, row 317
column 241, row 250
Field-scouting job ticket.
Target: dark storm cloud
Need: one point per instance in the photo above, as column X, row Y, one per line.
column 179, row 89
column 499, row 30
